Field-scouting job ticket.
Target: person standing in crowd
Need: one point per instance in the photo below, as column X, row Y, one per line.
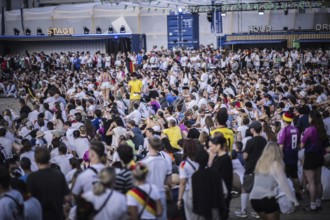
column 269, row 172
column 85, row 180
column 135, row 89
column 207, row 192
column 159, row 173
column 314, row 141
column 105, row 85
column 124, row 178
column 186, row 170
column 252, row 153
column 144, row 200
column 11, row 201
column 222, row 164
column 48, row 185
column 288, row 140
column 107, row 202
column 222, row 118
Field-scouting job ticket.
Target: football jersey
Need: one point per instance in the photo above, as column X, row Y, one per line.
column 228, row 135
column 289, row 137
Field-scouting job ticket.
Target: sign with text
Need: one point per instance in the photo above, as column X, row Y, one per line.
column 263, row 28
column 60, row 31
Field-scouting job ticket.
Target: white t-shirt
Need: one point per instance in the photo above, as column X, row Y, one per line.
column 33, row 116
column 30, row 155
column 242, row 129
column 167, row 157
column 69, row 175
column 85, row 180
column 135, row 115
column 201, row 102
column 117, row 132
column 325, row 179
column 326, row 122
column 63, row 161
column 32, row 209
column 158, row 170
column 7, row 144
column 154, row 194
column 115, row 207
column 80, row 146
column 48, row 136
column 186, row 170
column 204, row 79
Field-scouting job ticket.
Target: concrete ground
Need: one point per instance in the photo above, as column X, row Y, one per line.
column 5, row 102
column 235, row 203
column 324, row 214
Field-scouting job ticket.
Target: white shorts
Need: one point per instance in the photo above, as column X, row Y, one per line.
column 105, row 85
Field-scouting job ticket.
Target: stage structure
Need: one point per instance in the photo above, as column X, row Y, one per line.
column 105, row 43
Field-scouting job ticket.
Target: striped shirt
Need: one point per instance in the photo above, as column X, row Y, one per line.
column 124, row 180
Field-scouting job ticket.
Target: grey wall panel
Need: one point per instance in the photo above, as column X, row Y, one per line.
column 278, row 20
column 77, row 24
column 155, row 27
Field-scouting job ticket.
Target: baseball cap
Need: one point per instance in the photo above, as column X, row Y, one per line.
column 255, row 125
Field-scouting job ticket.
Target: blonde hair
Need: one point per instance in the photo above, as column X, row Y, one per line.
column 270, row 155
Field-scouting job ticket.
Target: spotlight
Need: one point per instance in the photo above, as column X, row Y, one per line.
column 110, row 30
column 261, row 12
column 16, row 31
column 27, row 31
column 180, row 10
column 98, row 30
column 86, row 30
column 223, row 14
column 39, row 31
column 122, row 29
column 286, row 11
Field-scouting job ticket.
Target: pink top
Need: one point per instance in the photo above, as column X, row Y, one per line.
column 105, row 78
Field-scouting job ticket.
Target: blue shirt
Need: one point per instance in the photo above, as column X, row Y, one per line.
column 96, row 123
column 170, row 99
column 139, row 59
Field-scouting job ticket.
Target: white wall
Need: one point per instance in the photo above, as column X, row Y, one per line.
column 276, row 19
column 153, row 23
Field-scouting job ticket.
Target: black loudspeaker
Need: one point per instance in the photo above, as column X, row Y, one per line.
column 285, row 28
column 209, row 17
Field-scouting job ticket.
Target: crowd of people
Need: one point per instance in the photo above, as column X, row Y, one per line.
column 164, row 134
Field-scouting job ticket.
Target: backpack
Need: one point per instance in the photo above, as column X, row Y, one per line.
column 19, row 213
column 85, row 209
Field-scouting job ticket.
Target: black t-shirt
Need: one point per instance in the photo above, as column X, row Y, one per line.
column 254, row 148
column 49, row 187
column 224, row 167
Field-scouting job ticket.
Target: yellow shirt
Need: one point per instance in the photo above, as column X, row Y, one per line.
column 173, row 134
column 136, row 86
column 228, row 135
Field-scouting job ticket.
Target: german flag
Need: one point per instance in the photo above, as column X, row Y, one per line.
column 142, row 198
